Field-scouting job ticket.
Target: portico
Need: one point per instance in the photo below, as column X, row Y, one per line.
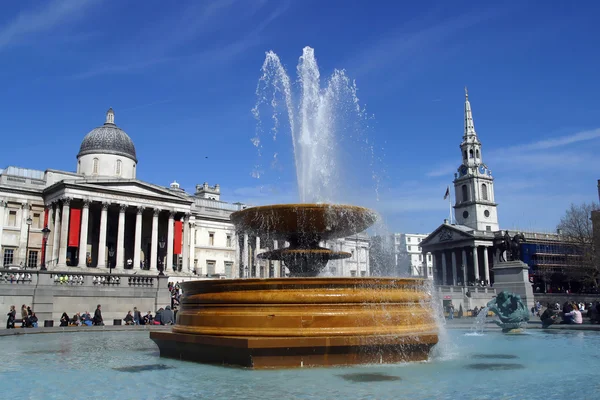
column 100, row 224
column 461, row 256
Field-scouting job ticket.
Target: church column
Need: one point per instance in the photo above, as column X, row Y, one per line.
column 83, row 237
column 55, row 234
column 102, row 236
column 170, row 229
column 2, row 219
column 121, row 238
column 256, row 261
column 464, row 266
column 245, row 256
column 486, row 266
column 475, row 263
column 454, row 275
column 434, row 267
column 64, row 232
column 276, row 264
column 444, row 269
column 192, row 234
column 154, row 244
column 186, row 243
column 137, row 246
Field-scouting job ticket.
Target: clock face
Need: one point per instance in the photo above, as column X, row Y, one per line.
column 482, row 170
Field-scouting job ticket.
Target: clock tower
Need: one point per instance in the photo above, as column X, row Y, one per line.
column 473, row 183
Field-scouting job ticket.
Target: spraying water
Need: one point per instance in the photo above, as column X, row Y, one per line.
column 317, row 114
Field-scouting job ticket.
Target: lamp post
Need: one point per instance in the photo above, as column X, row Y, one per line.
column 29, row 221
column 111, row 253
column 46, row 234
column 161, row 244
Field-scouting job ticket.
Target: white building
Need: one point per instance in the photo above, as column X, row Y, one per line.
column 409, row 256
column 101, row 216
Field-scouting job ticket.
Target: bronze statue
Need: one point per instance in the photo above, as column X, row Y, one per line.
column 512, row 247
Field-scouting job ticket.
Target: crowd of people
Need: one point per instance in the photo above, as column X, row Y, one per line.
column 28, row 318
column 570, row 313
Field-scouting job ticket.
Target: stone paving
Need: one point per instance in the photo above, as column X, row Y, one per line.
column 60, row 329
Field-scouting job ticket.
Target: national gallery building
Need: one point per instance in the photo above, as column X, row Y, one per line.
column 101, row 216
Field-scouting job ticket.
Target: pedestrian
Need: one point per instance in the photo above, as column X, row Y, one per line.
column 10, row 323
column 97, row 320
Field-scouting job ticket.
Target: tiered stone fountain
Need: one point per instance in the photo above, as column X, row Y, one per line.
column 304, row 320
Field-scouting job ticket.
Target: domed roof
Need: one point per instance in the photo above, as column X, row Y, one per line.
column 108, row 139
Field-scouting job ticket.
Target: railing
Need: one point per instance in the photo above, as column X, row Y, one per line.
column 464, row 290
column 16, row 277
column 89, row 279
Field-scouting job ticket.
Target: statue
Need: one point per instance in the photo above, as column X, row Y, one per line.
column 511, row 247
column 511, row 312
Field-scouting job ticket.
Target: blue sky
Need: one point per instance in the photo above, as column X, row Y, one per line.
column 182, row 81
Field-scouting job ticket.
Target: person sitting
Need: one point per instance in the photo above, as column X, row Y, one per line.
column 128, row 318
column 33, row 321
column 148, row 319
column 549, row 316
column 167, row 317
column 64, row 319
column 158, row 317
column 86, row 319
column 573, row 317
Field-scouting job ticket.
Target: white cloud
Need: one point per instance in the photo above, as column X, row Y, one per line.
column 53, row 14
column 558, row 141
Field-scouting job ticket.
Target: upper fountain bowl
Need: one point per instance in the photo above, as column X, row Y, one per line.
column 304, row 223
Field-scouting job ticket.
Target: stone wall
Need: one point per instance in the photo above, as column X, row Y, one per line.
column 50, row 294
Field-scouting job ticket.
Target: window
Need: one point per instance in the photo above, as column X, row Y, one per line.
column 408, row 239
column 211, row 238
column 484, row 191
column 488, row 228
column 8, row 256
column 95, row 166
column 352, row 253
column 229, row 269
column 409, row 248
column 333, row 270
column 118, row 167
column 430, row 271
column 78, row 166
column 12, row 218
column 477, row 153
column 363, row 273
column 353, row 272
column 471, row 153
column 228, row 240
column 36, row 221
column 429, row 257
column 419, row 248
column 465, row 154
column 420, row 257
column 210, row 267
column 32, row 260
column 465, row 193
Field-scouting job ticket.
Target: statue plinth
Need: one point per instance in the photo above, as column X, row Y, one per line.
column 513, row 276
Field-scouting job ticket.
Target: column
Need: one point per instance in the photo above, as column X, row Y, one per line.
column 22, row 256
column 137, row 246
column 434, row 266
column 121, row 238
column 64, row 232
column 464, row 266
column 170, row 228
column 154, row 245
column 256, row 260
column 55, row 234
column 486, row 266
column 102, row 236
column 186, row 243
column 444, row 269
column 454, row 274
column 2, row 212
column 475, row 264
column 192, row 234
column 276, row 264
column 245, row 256
column 83, row 237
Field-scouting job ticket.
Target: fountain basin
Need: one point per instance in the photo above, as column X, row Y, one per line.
column 296, row 322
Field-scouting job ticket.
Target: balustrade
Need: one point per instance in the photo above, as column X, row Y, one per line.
column 15, row 277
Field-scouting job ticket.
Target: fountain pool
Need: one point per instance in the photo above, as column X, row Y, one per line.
column 126, row 365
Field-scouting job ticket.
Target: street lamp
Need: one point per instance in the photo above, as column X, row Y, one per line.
column 111, row 253
column 29, row 222
column 46, row 234
column 162, row 243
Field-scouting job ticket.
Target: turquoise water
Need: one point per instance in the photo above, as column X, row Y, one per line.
column 126, row 365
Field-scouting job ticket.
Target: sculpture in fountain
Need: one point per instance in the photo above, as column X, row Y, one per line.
column 512, row 313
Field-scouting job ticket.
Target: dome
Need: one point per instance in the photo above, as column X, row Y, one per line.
column 108, row 139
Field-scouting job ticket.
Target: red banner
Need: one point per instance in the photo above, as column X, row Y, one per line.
column 74, row 223
column 177, row 234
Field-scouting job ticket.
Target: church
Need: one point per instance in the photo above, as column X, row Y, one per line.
column 465, row 251
column 101, row 216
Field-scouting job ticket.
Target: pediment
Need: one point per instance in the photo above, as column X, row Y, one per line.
column 129, row 188
column 446, row 233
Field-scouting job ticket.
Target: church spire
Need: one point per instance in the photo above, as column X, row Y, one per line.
column 469, row 126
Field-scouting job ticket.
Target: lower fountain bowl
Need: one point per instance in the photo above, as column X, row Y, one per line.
column 296, row 322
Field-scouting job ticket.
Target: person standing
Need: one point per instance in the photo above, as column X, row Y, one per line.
column 24, row 315
column 10, row 323
column 137, row 316
column 97, row 320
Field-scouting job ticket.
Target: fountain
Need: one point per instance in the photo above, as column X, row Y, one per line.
column 511, row 312
column 304, row 320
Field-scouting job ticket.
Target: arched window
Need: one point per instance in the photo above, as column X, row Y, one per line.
column 465, row 193
column 484, row 193
column 465, row 154
column 118, row 168
column 471, row 153
column 95, row 166
column 476, row 153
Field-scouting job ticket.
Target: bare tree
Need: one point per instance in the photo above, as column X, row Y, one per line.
column 577, row 228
